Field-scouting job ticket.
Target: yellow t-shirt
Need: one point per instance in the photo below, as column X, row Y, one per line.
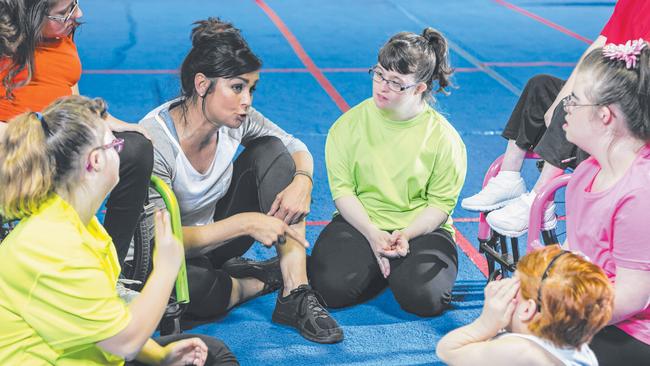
column 396, row 168
column 57, row 290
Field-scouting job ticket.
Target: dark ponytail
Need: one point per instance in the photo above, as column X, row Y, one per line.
column 218, row 50
column 426, row 56
column 443, row 70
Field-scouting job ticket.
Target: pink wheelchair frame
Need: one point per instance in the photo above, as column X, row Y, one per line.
column 495, row 245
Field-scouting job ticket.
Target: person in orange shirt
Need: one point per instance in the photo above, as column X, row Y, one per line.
column 39, row 63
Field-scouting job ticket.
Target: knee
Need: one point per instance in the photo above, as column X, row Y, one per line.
column 540, row 82
column 421, row 301
column 337, row 289
column 266, row 145
column 137, row 155
column 539, row 79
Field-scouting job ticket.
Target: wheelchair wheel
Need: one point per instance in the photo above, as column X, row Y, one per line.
column 143, row 241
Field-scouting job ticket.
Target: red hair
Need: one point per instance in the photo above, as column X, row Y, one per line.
column 576, row 297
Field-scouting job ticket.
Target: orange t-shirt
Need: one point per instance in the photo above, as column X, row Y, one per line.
column 57, row 69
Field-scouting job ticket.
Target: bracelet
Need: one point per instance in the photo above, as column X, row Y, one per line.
column 306, row 174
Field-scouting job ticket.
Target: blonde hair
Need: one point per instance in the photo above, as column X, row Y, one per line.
column 576, row 297
column 41, row 153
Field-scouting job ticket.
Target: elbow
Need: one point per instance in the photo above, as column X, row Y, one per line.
column 128, row 350
column 441, row 352
column 131, row 352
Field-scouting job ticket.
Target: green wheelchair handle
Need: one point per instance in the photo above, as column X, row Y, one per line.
column 182, row 289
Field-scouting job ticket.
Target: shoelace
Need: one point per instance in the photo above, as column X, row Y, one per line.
column 314, row 300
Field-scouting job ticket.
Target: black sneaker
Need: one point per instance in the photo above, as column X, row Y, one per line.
column 303, row 309
column 267, row 271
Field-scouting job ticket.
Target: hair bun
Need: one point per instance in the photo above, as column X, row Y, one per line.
column 209, row 29
column 433, row 36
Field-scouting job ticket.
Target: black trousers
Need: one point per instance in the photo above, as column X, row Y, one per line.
column 343, row 268
column 614, row 347
column 263, row 170
column 526, row 124
column 125, row 202
column 218, row 352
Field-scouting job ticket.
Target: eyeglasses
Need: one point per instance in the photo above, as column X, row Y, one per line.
column 64, row 19
column 569, row 102
column 117, row 144
column 378, row 77
column 544, row 276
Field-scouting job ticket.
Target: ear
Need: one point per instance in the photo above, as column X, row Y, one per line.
column 420, row 88
column 94, row 161
column 201, row 84
column 526, row 310
column 605, row 114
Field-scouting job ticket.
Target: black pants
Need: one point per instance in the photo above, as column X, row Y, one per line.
column 127, row 198
column 614, row 347
column 343, row 268
column 263, row 170
column 218, row 352
column 526, row 124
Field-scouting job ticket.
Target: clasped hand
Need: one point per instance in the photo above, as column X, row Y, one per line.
column 386, row 245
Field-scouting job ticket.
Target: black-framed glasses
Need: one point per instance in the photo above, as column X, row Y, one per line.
column 378, row 76
column 64, row 19
column 570, row 102
column 544, row 276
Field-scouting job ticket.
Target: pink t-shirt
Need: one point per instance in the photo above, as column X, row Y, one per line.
column 612, row 227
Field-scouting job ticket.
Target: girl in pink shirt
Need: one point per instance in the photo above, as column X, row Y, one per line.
column 608, row 116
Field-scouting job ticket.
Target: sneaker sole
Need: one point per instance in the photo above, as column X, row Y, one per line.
column 331, row 339
column 515, row 234
column 487, row 208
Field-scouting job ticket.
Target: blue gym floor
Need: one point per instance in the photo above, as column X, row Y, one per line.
column 315, row 56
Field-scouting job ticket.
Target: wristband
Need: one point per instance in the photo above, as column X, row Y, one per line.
column 306, row 174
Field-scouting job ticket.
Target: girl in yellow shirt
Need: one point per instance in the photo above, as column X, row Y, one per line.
column 58, row 301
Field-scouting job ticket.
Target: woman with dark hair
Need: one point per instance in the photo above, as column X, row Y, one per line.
column 42, row 64
column 263, row 195
column 58, row 304
column 395, row 167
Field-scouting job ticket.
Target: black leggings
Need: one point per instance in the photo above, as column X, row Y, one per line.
column 125, row 202
column 343, row 268
column 218, row 352
column 260, row 172
column 614, row 347
column 526, row 124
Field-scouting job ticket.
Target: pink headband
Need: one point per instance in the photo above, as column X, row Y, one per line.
column 627, row 52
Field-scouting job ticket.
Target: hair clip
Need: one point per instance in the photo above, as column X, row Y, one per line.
column 44, row 125
column 627, row 52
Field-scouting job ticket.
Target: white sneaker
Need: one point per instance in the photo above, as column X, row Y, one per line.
column 512, row 220
column 499, row 191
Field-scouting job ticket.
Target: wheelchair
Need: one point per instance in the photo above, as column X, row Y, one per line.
column 138, row 270
column 501, row 252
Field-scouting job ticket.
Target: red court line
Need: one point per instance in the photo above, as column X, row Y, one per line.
column 472, row 253
column 290, row 70
column 304, row 58
column 530, row 64
column 543, row 21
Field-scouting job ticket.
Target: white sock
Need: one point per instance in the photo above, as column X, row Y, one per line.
column 509, row 175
